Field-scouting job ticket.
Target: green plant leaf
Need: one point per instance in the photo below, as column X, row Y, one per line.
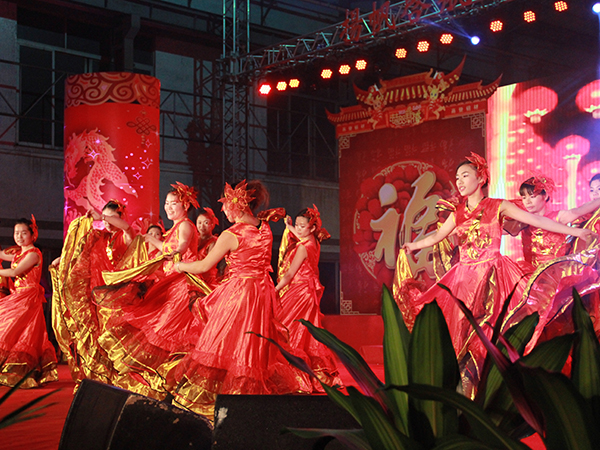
column 16, row 387
column 25, row 412
column 518, row 335
column 433, row 362
column 483, row 428
column 352, row 439
column 354, row 363
column 379, row 430
column 569, row 422
column 509, row 374
column 585, row 367
column 396, row 338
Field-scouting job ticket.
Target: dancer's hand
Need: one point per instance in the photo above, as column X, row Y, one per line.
column 410, row 247
column 585, row 234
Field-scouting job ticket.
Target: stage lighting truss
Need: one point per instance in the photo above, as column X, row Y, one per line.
column 446, row 38
column 423, row 46
column 401, row 53
column 561, row 6
column 496, row 25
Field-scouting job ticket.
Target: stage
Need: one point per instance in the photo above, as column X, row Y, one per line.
column 44, row 433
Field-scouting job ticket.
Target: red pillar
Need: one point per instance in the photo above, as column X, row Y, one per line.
column 112, row 144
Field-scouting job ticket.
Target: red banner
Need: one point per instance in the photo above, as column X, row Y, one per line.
column 112, row 145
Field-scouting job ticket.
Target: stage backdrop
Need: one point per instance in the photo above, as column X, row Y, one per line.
column 112, row 145
column 548, row 126
column 399, row 148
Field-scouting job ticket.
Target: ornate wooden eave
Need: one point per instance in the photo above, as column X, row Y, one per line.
column 412, row 100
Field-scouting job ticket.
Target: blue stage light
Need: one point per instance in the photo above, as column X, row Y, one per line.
column 596, row 8
column 475, row 40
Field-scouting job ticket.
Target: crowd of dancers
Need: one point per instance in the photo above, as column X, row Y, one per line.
column 161, row 315
column 153, row 313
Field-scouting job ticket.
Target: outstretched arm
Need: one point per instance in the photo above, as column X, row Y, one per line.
column 447, row 228
column 116, row 222
column 570, row 215
column 26, row 263
column 226, row 243
column 299, row 258
column 514, row 212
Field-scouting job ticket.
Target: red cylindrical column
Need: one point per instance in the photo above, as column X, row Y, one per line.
column 112, row 144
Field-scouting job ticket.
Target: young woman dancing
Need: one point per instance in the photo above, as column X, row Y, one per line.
column 24, row 344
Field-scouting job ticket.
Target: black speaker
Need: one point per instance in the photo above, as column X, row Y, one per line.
column 104, row 417
column 256, row 421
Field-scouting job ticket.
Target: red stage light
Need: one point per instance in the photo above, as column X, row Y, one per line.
column 423, row 46
column 361, row 64
column 281, row 86
column 496, row 26
column 401, row 53
column 344, row 69
column 326, row 74
column 529, row 16
column 294, row 83
column 446, row 38
column 264, row 89
column 560, row 6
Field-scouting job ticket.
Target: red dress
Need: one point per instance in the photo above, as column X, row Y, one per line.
column 211, row 276
column 77, row 321
column 157, row 321
column 226, row 359
column 24, row 343
column 482, row 279
column 301, row 299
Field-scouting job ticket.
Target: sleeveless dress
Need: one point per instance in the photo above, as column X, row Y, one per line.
column 157, row 319
column 226, row 358
column 24, row 344
column 211, row 276
column 301, row 300
column 482, row 279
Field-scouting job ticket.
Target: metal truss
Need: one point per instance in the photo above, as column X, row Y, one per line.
column 357, row 31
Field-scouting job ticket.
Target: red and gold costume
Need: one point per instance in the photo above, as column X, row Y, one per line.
column 226, row 359
column 158, row 315
column 541, row 246
column 24, row 344
column 211, row 277
column 482, row 279
column 301, row 299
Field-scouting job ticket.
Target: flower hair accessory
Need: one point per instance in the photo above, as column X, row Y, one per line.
column 120, row 206
column 187, row 194
column 542, row 183
column 34, row 228
column 208, row 212
column 315, row 217
column 481, row 165
column 238, row 198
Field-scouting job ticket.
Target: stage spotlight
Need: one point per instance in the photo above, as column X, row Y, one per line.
column 496, row 26
column 281, row 86
column 264, row 88
column 361, row 64
column 529, row 16
column 446, row 38
column 596, row 8
column 560, row 6
column 423, row 46
column 326, row 74
column 475, row 40
column 401, row 53
column 344, row 69
column 294, row 83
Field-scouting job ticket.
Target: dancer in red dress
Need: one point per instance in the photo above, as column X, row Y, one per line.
column 483, row 278
column 226, row 359
column 157, row 233
column 300, row 293
column 206, row 223
column 24, row 344
column 158, row 311
column 76, row 319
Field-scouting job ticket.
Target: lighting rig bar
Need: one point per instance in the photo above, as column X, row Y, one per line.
column 358, row 30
